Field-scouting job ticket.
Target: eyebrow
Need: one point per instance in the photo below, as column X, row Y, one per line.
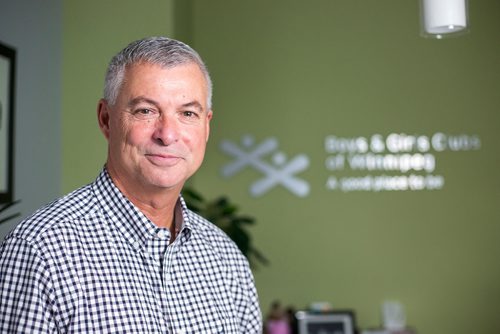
column 194, row 104
column 142, row 99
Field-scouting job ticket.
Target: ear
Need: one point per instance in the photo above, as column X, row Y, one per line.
column 209, row 118
column 103, row 117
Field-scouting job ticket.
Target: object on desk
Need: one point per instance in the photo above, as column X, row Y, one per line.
column 375, row 331
column 393, row 316
column 386, row 331
column 403, row 331
column 277, row 321
column 320, row 307
column 278, row 326
column 335, row 322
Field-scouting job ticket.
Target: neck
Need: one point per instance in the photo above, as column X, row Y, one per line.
column 158, row 205
column 162, row 215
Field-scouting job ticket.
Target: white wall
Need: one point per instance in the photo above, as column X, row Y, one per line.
column 33, row 28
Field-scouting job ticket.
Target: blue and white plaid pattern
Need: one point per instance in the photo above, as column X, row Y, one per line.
column 91, row 262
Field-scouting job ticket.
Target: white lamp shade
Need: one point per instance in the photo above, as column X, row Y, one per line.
column 444, row 16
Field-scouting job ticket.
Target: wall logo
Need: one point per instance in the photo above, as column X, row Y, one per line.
column 396, row 162
column 374, row 163
column 278, row 170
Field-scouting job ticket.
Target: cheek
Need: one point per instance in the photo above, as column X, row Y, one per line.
column 195, row 138
column 198, row 144
column 133, row 133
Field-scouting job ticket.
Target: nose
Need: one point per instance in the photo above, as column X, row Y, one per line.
column 166, row 130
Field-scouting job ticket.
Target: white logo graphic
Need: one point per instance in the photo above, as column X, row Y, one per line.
column 280, row 171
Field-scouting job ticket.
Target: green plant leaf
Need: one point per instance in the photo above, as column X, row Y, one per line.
column 243, row 220
column 224, row 214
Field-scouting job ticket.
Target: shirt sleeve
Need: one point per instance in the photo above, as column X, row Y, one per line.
column 25, row 289
column 253, row 315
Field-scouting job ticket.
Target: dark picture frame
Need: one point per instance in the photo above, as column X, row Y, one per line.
column 336, row 322
column 7, row 94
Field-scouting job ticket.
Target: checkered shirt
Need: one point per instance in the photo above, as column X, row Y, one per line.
column 91, row 262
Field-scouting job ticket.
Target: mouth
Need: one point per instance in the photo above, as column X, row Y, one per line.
column 163, row 160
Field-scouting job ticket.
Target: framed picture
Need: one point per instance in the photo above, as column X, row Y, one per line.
column 7, row 85
column 337, row 322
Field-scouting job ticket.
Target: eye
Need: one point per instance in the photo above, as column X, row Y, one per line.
column 189, row 114
column 145, row 113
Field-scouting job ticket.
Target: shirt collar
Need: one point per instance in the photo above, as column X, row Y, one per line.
column 135, row 227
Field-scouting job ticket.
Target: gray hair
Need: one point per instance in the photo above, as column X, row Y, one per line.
column 162, row 51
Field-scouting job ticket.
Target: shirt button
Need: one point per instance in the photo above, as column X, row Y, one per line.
column 161, row 234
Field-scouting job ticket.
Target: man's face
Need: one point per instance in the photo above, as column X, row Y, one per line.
column 158, row 128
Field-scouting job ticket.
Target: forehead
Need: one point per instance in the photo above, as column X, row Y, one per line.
column 150, row 77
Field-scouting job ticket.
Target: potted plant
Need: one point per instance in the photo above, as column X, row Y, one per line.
column 224, row 214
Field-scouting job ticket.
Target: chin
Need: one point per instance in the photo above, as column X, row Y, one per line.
column 167, row 183
column 166, row 178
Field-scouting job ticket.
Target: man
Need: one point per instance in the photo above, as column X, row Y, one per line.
column 124, row 254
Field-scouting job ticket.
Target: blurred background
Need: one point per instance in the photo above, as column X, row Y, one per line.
column 375, row 171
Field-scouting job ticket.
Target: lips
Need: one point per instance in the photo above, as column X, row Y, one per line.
column 163, row 160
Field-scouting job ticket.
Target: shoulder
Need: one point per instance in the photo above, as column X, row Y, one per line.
column 75, row 206
column 218, row 240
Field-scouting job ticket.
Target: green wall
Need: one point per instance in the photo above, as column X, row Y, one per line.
column 302, row 70
column 299, row 71
column 93, row 32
